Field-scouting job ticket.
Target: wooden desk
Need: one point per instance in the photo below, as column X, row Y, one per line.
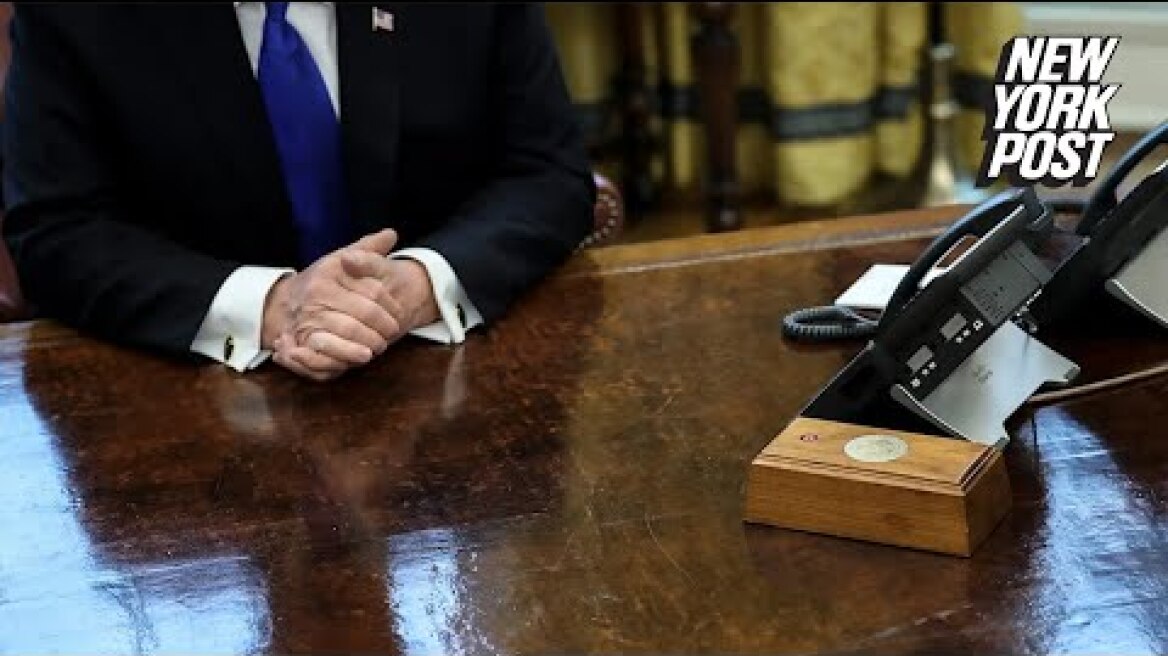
column 570, row 482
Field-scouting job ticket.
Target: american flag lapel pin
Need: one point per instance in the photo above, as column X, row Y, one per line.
column 382, row 20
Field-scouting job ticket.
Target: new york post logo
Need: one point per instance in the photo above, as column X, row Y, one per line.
column 1047, row 122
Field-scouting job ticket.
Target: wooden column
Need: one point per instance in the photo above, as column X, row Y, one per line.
column 716, row 58
column 636, row 140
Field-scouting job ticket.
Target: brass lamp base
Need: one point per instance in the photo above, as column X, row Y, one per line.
column 948, row 182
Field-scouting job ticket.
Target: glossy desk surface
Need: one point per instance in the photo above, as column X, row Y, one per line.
column 569, row 482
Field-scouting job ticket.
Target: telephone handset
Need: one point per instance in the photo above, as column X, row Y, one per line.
column 815, row 324
column 1124, row 248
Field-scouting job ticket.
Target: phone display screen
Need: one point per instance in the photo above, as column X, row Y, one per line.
column 1009, row 281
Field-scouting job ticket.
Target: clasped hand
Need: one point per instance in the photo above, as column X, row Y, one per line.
column 346, row 308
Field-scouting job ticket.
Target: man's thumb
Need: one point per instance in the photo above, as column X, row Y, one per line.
column 379, row 242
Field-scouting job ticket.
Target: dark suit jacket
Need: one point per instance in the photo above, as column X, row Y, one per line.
column 140, row 169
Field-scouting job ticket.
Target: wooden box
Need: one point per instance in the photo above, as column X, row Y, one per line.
column 905, row 489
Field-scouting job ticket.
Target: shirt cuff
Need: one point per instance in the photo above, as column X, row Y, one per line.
column 458, row 313
column 230, row 332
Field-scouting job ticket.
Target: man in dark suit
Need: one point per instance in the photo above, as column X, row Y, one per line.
column 311, row 181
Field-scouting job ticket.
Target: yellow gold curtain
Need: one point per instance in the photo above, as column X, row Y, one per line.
column 830, row 94
column 978, row 30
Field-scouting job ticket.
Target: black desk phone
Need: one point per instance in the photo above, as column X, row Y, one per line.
column 1107, row 266
column 946, row 355
column 926, row 333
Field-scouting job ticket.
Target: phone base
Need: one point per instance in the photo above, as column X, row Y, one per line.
column 995, row 380
column 901, row 489
column 1142, row 283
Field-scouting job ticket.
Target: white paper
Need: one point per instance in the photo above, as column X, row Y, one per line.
column 874, row 289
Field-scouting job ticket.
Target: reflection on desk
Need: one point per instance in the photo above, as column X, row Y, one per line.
column 569, row 481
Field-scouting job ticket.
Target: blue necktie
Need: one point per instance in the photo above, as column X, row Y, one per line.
column 307, row 135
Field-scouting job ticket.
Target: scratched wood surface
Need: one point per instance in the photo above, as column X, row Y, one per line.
column 570, row 481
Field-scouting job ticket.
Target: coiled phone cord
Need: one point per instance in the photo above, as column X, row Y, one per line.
column 830, row 323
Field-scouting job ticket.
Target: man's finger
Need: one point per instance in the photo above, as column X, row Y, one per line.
column 365, row 264
column 291, row 365
column 379, row 242
column 376, row 291
column 311, row 364
column 367, row 312
column 339, row 348
column 348, row 329
column 295, row 366
column 370, row 288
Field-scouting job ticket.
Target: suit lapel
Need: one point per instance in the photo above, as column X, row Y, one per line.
column 206, row 46
column 368, row 64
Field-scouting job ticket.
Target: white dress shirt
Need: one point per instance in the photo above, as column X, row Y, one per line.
column 230, row 332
